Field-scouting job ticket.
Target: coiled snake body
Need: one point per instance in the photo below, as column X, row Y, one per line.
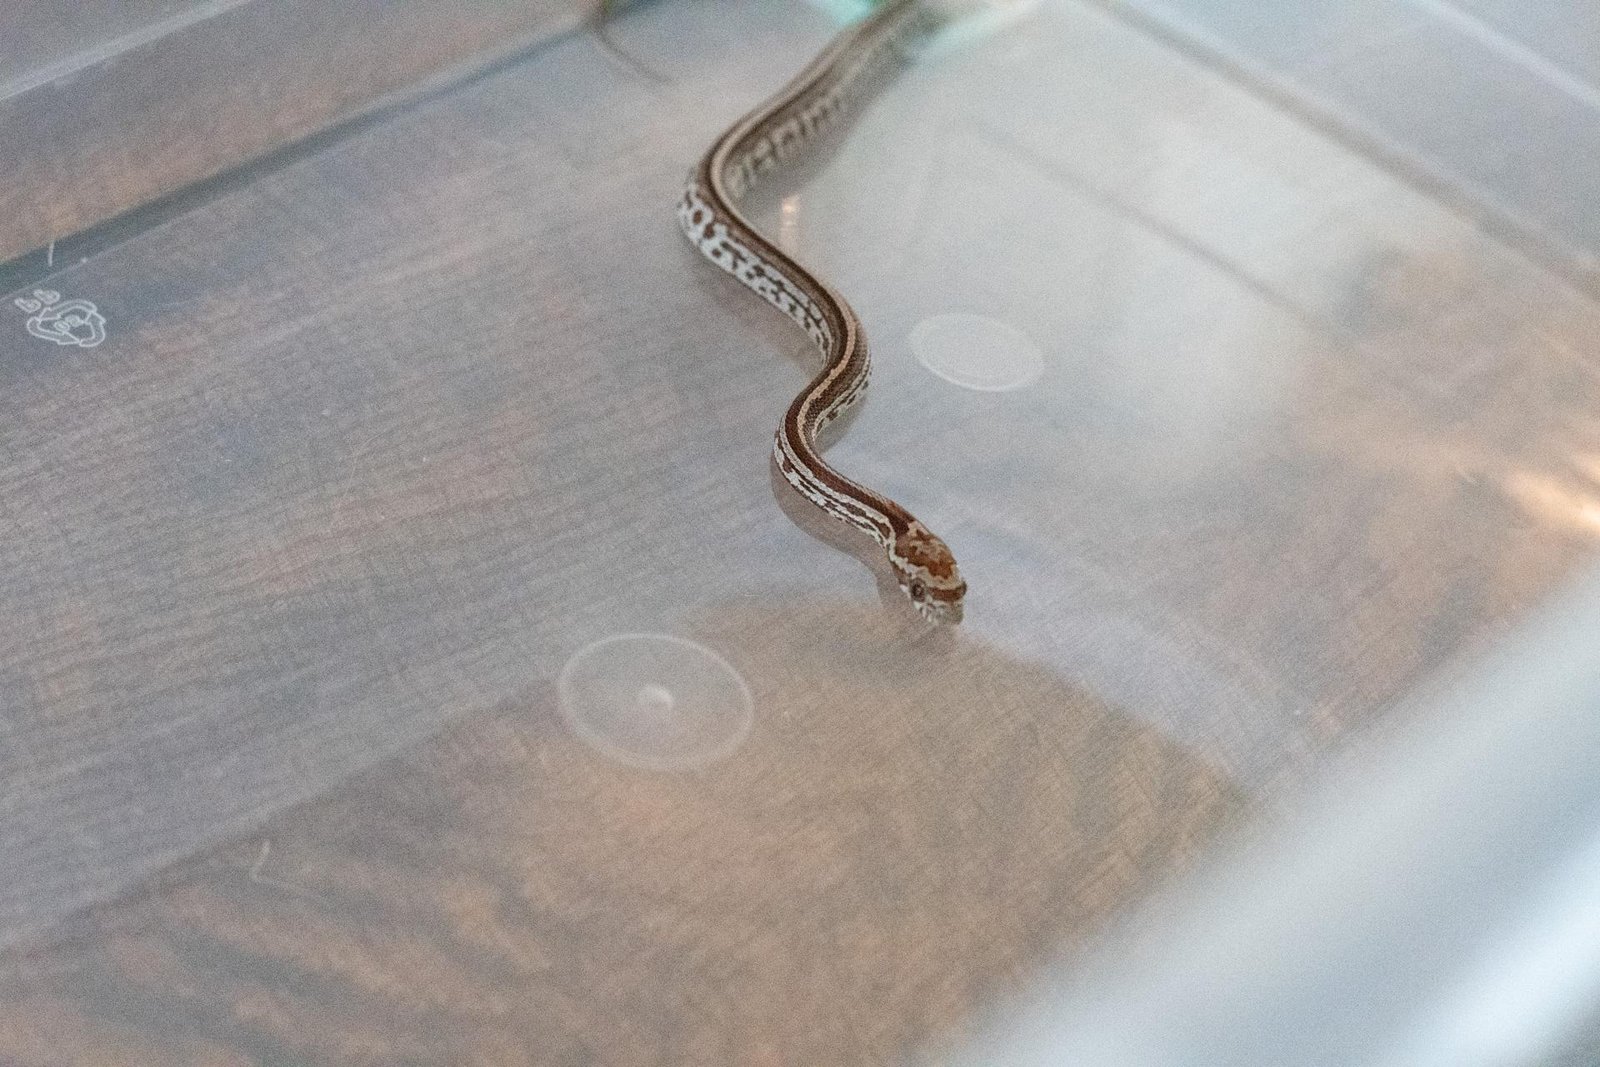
column 774, row 133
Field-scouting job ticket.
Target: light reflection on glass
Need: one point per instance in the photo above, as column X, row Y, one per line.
column 789, row 223
column 1551, row 502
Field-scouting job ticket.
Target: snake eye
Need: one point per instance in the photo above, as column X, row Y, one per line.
column 917, row 589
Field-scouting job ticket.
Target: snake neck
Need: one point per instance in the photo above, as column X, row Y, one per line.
column 822, row 96
column 830, row 89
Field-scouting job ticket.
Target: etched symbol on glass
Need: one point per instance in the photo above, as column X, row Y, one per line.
column 66, row 322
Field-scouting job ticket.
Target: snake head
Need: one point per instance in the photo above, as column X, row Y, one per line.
column 928, row 574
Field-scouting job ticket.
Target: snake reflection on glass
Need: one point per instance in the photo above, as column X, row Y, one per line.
column 775, row 133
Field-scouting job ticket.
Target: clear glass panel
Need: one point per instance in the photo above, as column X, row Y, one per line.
column 44, row 39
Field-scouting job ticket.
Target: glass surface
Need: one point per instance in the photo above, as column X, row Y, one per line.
column 1243, row 438
column 1490, row 104
column 1302, row 434
column 1431, row 903
column 45, row 39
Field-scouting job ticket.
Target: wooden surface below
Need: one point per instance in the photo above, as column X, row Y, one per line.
column 852, row 885
column 49, row 37
column 101, row 116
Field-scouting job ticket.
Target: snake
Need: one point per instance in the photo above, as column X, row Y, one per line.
column 833, row 86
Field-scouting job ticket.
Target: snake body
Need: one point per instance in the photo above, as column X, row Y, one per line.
column 775, row 133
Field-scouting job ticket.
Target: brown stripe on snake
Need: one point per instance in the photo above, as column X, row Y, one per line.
column 832, row 85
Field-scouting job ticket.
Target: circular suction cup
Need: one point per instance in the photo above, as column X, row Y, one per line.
column 975, row 352
column 656, row 701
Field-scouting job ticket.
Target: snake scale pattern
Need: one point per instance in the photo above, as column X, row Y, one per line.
column 833, row 86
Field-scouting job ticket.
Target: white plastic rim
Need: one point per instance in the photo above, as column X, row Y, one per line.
column 977, row 352
column 655, row 701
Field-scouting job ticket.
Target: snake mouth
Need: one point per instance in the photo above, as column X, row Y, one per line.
column 940, row 610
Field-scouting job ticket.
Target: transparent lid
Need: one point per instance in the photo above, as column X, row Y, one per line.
column 439, row 442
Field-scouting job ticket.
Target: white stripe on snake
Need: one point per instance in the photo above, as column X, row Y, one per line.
column 773, row 133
